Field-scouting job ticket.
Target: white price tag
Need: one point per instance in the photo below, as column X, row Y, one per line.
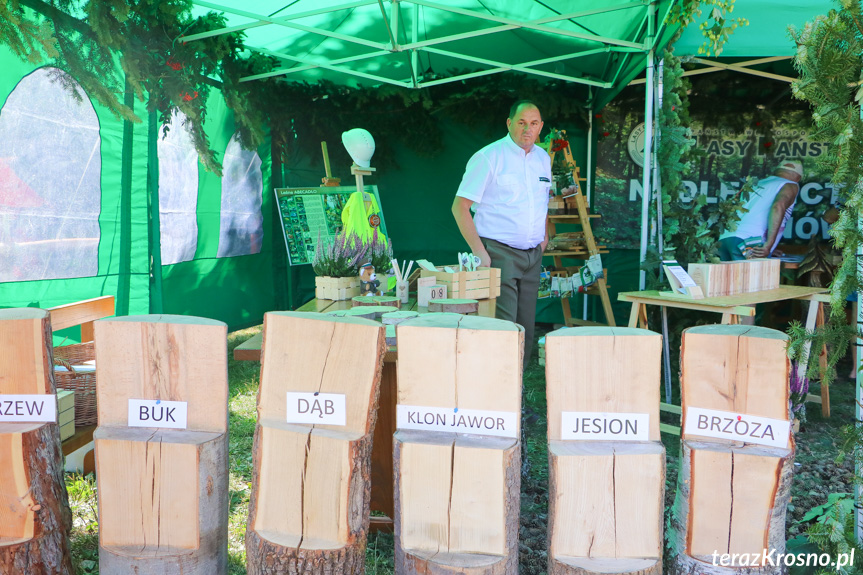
column 28, row 408
column 317, row 408
column 737, row 427
column 158, row 413
column 593, row 425
column 473, row 421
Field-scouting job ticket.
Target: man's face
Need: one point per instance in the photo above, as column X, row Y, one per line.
column 525, row 127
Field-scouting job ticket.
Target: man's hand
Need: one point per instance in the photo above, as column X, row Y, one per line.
column 543, row 245
column 762, row 251
column 484, row 258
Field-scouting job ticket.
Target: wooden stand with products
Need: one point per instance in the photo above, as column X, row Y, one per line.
column 162, row 445
column 606, row 460
column 311, row 475
column 34, row 509
column 587, row 244
column 737, row 452
column 456, row 466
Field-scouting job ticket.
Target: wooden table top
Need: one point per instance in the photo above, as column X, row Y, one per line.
column 737, row 304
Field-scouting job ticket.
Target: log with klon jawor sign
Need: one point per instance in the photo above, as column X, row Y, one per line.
column 34, row 510
column 309, row 506
column 606, row 463
column 162, row 445
column 457, row 454
column 736, row 451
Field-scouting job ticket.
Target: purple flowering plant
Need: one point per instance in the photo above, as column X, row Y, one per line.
column 340, row 258
column 799, row 387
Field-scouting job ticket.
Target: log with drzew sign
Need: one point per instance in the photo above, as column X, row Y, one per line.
column 607, row 464
column 34, row 509
column 309, row 506
column 162, row 398
column 736, row 450
column 456, row 450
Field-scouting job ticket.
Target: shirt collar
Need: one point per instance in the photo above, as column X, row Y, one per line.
column 513, row 147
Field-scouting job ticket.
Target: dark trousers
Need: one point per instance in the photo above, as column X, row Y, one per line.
column 519, row 286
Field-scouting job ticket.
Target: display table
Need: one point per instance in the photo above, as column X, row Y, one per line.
column 382, row 441
column 732, row 307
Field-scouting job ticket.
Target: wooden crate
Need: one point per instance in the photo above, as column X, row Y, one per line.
column 336, row 288
column 483, row 283
column 66, row 413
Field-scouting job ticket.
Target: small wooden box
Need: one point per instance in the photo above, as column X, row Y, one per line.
column 484, row 283
column 427, row 293
column 66, row 413
column 333, row 288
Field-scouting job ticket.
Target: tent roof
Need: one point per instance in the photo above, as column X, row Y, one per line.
column 767, row 32
column 422, row 43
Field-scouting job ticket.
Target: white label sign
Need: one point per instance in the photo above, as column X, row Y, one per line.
column 158, row 413
column 737, row 426
column 28, row 408
column 680, row 275
column 320, row 408
column 473, row 421
column 594, row 425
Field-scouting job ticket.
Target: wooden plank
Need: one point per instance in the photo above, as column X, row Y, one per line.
column 639, row 487
column 164, row 357
column 80, row 312
column 24, row 359
column 781, row 293
column 710, row 502
column 424, row 502
column 279, row 516
column 250, row 350
column 83, row 436
column 753, row 487
column 590, row 369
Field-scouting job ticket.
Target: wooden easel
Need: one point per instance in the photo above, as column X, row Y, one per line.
column 583, row 219
column 359, row 172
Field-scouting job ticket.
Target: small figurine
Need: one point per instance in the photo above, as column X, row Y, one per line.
column 369, row 283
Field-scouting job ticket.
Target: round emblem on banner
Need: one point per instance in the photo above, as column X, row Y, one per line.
column 635, row 145
column 374, row 220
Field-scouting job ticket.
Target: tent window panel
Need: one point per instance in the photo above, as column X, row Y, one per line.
column 241, row 229
column 50, row 173
column 178, row 192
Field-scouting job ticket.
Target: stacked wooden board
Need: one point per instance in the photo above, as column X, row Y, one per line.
column 34, row 509
column 162, row 445
column 736, row 277
column 309, row 506
column 456, row 452
column 606, row 460
column 736, row 452
column 484, row 283
column 66, row 413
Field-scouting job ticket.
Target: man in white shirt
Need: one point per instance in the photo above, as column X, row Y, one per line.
column 508, row 182
column 765, row 213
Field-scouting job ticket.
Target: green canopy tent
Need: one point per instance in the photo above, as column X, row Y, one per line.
column 130, row 214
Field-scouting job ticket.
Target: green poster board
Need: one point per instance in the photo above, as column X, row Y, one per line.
column 308, row 212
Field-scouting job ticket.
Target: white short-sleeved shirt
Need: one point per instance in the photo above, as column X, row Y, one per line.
column 510, row 191
column 754, row 221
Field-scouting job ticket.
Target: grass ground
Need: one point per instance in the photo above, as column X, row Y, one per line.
column 817, row 472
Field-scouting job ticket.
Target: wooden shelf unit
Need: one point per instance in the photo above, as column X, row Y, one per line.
column 583, row 219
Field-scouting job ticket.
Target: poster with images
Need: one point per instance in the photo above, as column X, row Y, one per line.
column 310, row 213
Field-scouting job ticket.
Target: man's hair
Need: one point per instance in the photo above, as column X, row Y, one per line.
column 515, row 107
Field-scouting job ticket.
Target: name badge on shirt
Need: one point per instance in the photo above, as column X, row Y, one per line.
column 544, row 179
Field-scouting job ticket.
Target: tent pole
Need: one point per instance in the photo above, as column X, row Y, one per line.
column 648, row 147
column 155, row 247
column 858, row 409
column 589, row 174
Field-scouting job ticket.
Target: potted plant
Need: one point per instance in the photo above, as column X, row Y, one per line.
column 336, row 264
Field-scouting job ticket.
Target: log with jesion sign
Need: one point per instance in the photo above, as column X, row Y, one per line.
column 606, row 461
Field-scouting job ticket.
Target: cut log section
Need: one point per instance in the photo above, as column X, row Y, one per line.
column 456, row 503
column 729, row 500
column 454, row 305
column 163, row 493
column 396, row 317
column 457, row 496
column 735, row 368
column 605, row 506
column 376, row 300
column 311, row 488
column 605, row 370
column 34, row 508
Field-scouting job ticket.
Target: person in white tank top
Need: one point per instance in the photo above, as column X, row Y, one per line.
column 765, row 213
